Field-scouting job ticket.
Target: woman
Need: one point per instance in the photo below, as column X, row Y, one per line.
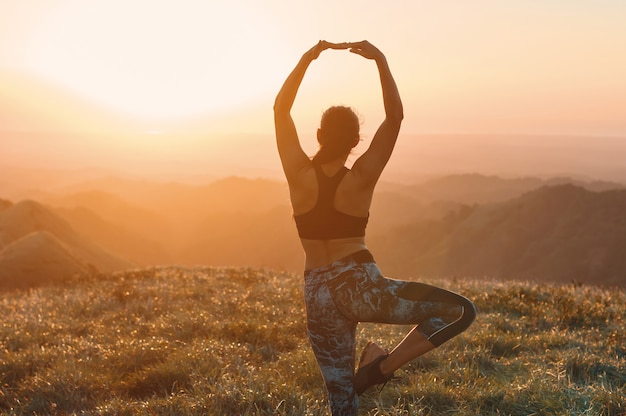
column 343, row 285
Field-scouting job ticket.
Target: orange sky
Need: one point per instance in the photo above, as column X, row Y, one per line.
column 482, row 66
column 155, row 68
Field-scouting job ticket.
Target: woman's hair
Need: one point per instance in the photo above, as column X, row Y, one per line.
column 338, row 134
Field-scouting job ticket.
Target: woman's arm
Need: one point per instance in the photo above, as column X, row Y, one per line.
column 371, row 164
column 291, row 154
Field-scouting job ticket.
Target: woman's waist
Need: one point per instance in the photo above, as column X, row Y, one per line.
column 320, row 253
column 316, row 276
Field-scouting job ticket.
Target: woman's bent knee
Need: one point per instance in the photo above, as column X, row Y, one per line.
column 469, row 313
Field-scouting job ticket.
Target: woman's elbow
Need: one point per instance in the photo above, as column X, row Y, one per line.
column 396, row 111
column 276, row 106
column 281, row 107
column 396, row 116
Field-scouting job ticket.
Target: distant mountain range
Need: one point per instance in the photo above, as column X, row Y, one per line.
column 482, row 189
column 555, row 233
column 459, row 225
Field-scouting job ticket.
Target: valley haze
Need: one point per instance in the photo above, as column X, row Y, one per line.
column 55, row 222
column 206, row 192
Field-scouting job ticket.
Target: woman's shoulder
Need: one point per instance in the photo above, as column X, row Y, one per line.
column 355, row 181
column 303, row 189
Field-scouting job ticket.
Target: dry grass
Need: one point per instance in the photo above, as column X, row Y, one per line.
column 204, row 341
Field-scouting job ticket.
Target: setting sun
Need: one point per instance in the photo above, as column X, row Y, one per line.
column 195, row 80
column 152, row 60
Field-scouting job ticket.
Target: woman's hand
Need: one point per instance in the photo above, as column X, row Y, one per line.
column 365, row 49
column 321, row 46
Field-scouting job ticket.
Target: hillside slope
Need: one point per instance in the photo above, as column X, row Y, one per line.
column 36, row 245
column 37, row 258
column 117, row 237
column 558, row 233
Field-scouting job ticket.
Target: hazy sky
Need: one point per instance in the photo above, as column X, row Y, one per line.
column 553, row 66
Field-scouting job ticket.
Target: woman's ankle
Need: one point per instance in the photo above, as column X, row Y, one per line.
column 385, row 367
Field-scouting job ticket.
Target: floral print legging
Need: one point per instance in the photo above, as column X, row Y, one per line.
column 353, row 290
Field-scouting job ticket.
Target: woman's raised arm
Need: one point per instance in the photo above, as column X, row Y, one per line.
column 371, row 164
column 291, row 154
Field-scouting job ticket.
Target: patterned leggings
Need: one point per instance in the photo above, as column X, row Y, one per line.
column 353, row 290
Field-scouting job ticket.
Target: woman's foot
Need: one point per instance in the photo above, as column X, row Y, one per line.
column 371, row 351
column 369, row 373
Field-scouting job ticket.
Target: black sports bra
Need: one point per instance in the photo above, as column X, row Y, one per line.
column 324, row 222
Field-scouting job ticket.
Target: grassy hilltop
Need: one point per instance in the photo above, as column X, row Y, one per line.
column 198, row 341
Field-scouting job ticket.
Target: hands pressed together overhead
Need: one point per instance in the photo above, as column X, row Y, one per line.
column 363, row 48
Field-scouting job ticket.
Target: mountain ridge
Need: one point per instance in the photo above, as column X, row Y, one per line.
column 555, row 232
column 559, row 232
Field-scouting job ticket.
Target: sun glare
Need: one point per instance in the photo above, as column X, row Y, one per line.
column 155, row 59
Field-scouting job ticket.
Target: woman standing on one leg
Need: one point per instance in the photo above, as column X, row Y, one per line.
column 343, row 284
